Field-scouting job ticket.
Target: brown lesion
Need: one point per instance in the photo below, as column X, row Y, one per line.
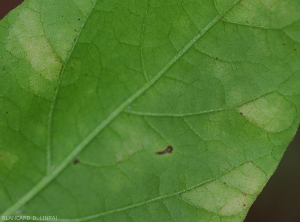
column 76, row 161
column 169, row 149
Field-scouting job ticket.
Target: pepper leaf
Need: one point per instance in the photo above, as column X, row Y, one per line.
column 145, row 110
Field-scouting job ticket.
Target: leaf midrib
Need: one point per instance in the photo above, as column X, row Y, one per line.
column 49, row 177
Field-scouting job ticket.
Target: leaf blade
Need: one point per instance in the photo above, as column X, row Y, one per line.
column 156, row 128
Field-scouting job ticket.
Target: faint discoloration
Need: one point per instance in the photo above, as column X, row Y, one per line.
column 10, row 116
column 84, row 6
column 264, row 13
column 8, row 159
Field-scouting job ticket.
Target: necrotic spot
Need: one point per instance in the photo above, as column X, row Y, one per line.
column 169, row 149
column 76, row 161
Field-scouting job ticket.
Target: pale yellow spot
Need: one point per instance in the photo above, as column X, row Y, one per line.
column 223, row 71
column 41, row 57
column 40, row 86
column 217, row 197
column 263, row 13
column 136, row 139
column 247, row 178
column 34, row 46
column 271, row 112
column 231, row 194
column 84, row 6
column 8, row 159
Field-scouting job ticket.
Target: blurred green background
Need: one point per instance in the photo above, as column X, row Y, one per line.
column 280, row 199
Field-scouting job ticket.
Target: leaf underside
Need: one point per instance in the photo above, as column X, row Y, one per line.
column 145, row 110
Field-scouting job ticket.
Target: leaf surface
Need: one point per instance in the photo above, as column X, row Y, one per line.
column 145, row 110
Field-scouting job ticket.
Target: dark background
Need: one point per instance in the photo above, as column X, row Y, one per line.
column 280, row 199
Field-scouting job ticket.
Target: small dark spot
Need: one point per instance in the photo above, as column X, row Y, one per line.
column 217, row 58
column 244, row 205
column 224, row 182
column 78, row 19
column 283, row 44
column 76, row 161
column 241, row 113
column 85, row 74
column 169, row 149
column 3, row 68
column 295, row 50
column 6, row 112
column 74, row 39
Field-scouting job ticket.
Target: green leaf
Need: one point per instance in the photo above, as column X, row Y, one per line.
column 145, row 110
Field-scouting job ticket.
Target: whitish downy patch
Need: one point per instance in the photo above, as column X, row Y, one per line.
column 230, row 194
column 271, row 112
column 28, row 31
